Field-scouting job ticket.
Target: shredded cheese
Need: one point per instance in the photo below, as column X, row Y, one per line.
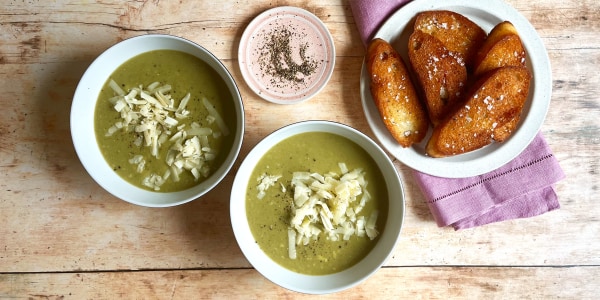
column 265, row 182
column 151, row 114
column 216, row 116
column 330, row 204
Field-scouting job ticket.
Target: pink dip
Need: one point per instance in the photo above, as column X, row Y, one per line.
column 303, row 38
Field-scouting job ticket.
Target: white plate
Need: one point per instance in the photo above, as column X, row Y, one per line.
column 309, row 35
column 486, row 14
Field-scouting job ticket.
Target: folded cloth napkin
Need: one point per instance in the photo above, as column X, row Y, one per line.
column 522, row 188
column 369, row 15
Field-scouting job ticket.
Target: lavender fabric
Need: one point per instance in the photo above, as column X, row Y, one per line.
column 522, row 188
column 369, row 15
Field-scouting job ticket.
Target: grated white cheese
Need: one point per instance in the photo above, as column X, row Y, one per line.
column 291, row 243
column 152, row 115
column 265, row 182
column 215, row 114
column 328, row 204
column 115, row 87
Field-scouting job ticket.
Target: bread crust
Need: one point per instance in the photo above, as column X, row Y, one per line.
column 458, row 33
column 394, row 94
column 503, row 47
column 473, row 85
column 441, row 75
column 491, row 112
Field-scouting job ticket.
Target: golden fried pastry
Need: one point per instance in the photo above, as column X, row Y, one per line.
column 394, row 94
column 441, row 75
column 458, row 34
column 491, row 112
column 503, row 47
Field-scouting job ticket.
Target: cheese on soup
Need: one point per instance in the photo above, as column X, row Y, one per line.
column 162, row 120
column 316, row 203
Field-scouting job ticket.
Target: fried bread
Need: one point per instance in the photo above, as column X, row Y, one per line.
column 491, row 110
column 394, row 94
column 441, row 75
column 502, row 47
column 458, row 33
column 472, row 85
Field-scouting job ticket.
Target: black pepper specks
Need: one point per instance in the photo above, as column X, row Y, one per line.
column 276, row 58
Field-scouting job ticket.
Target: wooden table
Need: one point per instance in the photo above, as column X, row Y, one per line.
column 64, row 237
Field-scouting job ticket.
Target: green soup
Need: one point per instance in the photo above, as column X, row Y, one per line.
column 185, row 74
column 269, row 217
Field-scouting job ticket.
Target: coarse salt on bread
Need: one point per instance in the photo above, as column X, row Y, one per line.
column 491, row 112
column 458, row 33
column 440, row 73
column 502, row 47
column 395, row 95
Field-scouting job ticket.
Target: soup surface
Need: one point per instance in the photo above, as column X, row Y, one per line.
column 269, row 215
column 130, row 151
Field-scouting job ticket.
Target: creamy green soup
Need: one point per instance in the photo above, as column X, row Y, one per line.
column 269, row 214
column 184, row 73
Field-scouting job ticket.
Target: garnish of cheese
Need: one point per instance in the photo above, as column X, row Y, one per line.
column 156, row 120
column 265, row 182
column 328, row 204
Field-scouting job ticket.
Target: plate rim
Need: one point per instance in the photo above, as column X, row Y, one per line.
column 492, row 156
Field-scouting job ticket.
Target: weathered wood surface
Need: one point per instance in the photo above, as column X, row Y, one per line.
column 388, row 283
column 62, row 235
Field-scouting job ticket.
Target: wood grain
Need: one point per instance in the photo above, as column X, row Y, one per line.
column 62, row 236
column 388, row 283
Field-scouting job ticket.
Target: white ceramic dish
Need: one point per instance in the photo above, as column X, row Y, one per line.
column 308, row 31
column 82, row 120
column 325, row 283
column 486, row 14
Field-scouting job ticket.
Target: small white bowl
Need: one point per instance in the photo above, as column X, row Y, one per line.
column 321, row 284
column 309, row 34
column 82, row 120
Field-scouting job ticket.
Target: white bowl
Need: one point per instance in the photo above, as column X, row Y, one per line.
column 317, row 284
column 82, row 120
column 309, row 31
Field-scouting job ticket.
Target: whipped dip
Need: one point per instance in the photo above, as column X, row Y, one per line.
column 286, row 55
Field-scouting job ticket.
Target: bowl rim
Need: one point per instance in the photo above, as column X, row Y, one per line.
column 82, row 116
column 318, row 284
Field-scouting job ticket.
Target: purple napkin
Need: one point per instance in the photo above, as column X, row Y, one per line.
column 522, row 188
column 369, row 15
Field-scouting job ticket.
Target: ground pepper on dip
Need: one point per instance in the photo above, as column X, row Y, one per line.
column 284, row 56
